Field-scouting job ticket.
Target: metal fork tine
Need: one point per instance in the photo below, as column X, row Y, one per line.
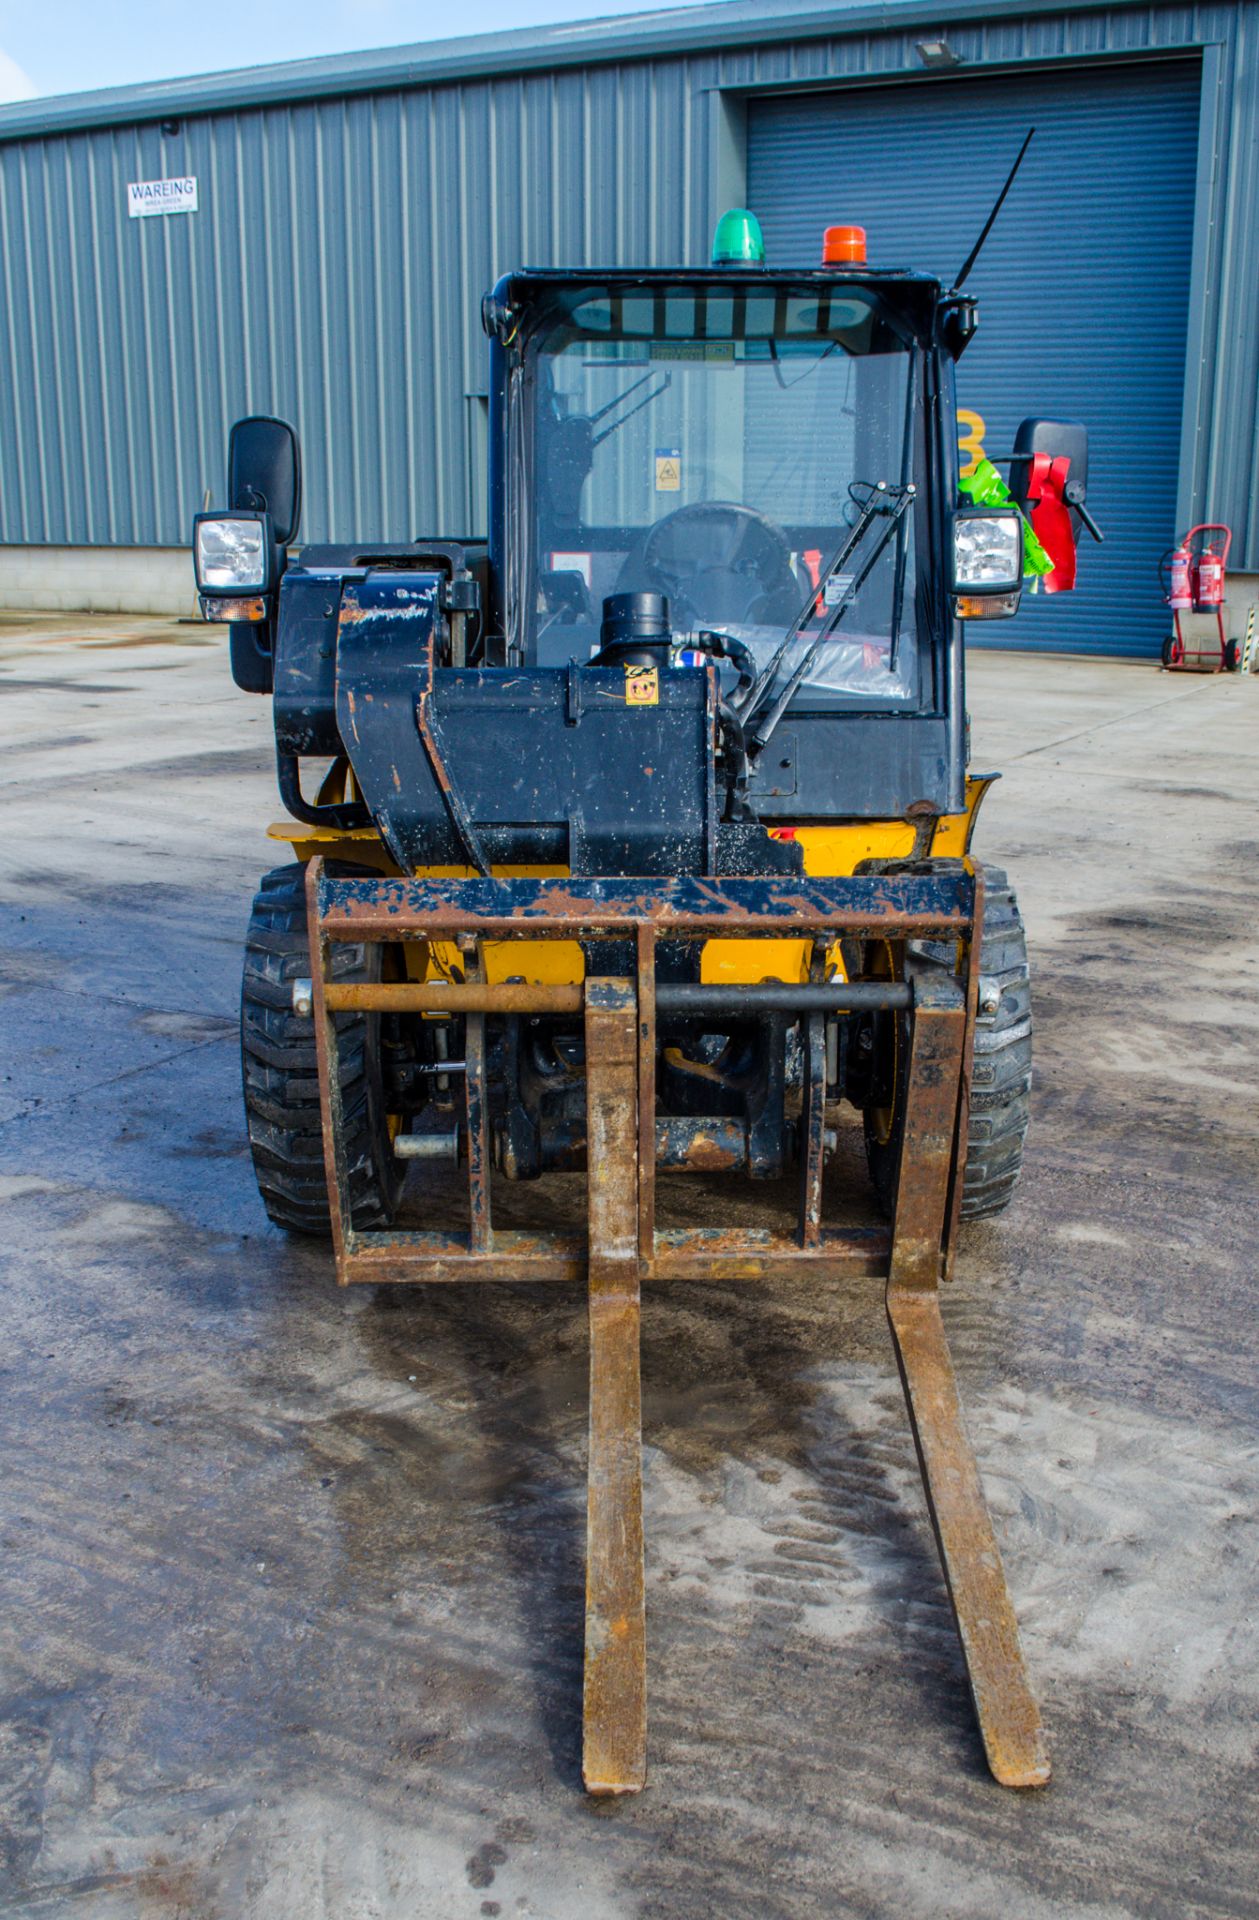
column 1009, row 1719
column 614, row 1757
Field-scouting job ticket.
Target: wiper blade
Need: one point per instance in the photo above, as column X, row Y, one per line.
column 616, row 425
column 601, row 413
column 843, row 552
column 885, row 503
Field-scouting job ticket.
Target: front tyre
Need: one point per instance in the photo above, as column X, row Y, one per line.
column 1001, row 1068
column 281, row 1079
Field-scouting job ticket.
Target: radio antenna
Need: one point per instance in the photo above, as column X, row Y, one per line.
column 976, row 250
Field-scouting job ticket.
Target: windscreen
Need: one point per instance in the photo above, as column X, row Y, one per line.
column 748, row 454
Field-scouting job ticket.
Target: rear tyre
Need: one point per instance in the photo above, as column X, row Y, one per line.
column 281, row 1080
column 1001, row 1073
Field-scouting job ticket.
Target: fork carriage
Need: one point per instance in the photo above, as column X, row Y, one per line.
column 623, row 1247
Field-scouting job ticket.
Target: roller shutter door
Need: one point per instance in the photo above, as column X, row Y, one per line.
column 1083, row 286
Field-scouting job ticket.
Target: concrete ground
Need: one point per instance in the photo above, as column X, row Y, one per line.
column 293, row 1578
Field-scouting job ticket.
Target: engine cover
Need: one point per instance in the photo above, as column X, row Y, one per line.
column 600, row 769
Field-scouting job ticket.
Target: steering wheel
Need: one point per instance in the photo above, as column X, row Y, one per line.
column 720, row 564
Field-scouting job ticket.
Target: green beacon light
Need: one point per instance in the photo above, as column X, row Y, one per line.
column 738, row 241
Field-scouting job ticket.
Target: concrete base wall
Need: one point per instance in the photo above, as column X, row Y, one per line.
column 1243, row 594
column 160, row 580
column 98, row 580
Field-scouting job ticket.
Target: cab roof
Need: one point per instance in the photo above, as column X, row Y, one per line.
column 524, row 281
column 916, row 296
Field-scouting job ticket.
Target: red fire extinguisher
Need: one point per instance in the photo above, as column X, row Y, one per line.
column 1180, row 598
column 1208, row 584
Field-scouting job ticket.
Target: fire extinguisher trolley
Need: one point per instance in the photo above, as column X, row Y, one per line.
column 1194, row 575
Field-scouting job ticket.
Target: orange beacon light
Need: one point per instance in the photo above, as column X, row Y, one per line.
column 844, row 246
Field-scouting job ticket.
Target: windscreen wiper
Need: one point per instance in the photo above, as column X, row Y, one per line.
column 616, row 425
column 842, row 554
column 885, row 504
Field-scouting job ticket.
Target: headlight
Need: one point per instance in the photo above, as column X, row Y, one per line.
column 987, row 552
column 232, row 553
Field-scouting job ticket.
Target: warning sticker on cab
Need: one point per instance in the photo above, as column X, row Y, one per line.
column 642, row 687
column 668, row 469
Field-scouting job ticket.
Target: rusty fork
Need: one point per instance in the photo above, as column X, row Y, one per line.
column 615, row 1724
column 623, row 1247
column 1009, row 1720
column 614, row 1755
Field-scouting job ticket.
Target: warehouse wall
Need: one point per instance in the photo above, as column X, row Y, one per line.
column 334, row 270
column 333, row 275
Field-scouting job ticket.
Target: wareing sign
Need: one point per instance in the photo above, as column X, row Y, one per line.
column 161, row 196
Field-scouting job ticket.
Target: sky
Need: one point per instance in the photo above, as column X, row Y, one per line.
column 66, row 46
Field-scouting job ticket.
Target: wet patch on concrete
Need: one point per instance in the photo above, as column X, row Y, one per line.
column 293, row 1577
column 78, row 688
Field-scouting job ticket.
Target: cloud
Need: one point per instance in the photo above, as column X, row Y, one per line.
column 14, row 84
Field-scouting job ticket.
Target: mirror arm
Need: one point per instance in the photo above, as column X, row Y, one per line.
column 1073, row 495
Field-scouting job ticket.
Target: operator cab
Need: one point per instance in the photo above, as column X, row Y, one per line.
column 671, row 437
column 762, row 449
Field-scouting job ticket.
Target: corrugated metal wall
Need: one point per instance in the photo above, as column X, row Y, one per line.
column 332, row 275
column 334, row 271
column 1073, row 322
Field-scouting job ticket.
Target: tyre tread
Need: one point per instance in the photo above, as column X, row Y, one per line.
column 279, row 1072
column 1001, row 1082
column 1001, row 1065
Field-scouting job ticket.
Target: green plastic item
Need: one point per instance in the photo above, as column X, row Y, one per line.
column 984, row 487
column 738, row 241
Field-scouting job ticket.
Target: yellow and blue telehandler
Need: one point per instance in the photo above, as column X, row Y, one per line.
column 636, row 840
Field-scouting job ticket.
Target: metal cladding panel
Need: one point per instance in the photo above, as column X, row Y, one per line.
column 1226, row 445
column 352, row 211
column 332, row 275
column 1082, row 309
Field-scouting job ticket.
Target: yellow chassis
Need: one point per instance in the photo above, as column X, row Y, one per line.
column 829, row 852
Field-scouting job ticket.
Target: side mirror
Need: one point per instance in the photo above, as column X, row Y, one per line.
column 1049, row 477
column 264, row 473
column 1056, row 440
